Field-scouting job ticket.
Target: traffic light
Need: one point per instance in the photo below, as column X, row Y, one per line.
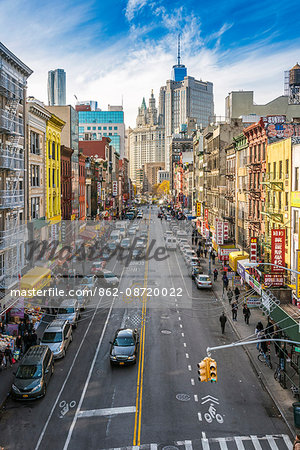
column 212, row 370
column 203, row 370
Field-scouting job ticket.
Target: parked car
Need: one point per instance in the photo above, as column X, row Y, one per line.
column 171, row 243
column 124, row 347
column 33, row 374
column 203, row 281
column 194, row 271
column 69, row 310
column 58, row 336
column 167, row 234
column 125, row 243
column 108, row 278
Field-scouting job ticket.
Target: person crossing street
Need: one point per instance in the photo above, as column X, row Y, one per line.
column 223, row 320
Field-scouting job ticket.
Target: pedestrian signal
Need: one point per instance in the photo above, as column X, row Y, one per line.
column 203, row 370
column 212, row 370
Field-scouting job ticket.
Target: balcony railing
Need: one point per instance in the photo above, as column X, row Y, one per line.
column 10, row 123
column 12, row 236
column 11, row 158
column 10, row 199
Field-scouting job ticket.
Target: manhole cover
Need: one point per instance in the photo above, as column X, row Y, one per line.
column 166, row 331
column 170, row 447
column 183, row 397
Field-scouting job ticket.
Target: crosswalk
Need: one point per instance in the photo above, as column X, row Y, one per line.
column 251, row 442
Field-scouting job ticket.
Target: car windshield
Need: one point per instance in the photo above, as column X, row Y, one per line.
column 51, row 337
column 69, row 310
column 124, row 341
column 28, row 372
column 109, row 275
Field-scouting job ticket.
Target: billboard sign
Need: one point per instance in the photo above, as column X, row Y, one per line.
column 198, row 209
column 253, row 250
column 278, row 249
column 115, row 188
column 273, row 279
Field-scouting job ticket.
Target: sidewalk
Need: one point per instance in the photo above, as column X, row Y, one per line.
column 283, row 398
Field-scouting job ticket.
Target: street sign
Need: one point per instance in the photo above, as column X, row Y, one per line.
column 297, row 349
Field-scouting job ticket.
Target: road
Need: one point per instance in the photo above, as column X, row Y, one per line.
column 159, row 402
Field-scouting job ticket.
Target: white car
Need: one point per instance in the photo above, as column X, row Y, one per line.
column 203, row 281
column 125, row 243
column 132, row 231
column 171, row 243
column 167, row 234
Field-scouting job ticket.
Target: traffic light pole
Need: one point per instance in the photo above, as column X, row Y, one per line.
column 239, row 344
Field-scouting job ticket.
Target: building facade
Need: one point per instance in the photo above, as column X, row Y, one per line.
column 13, row 208
column 66, row 183
column 150, row 175
column 53, row 168
column 36, row 124
column 96, row 124
column 56, row 87
column 82, row 202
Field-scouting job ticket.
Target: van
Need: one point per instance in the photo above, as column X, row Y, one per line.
column 33, row 374
column 58, row 336
column 69, row 310
column 171, row 243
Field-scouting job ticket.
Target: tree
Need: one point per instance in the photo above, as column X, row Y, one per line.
column 163, row 188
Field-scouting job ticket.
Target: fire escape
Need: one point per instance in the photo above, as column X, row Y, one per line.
column 12, row 235
column 255, row 193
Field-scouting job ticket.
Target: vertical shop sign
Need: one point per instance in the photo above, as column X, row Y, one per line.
column 278, row 249
column 253, row 250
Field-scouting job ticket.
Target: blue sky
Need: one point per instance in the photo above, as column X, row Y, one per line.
column 124, row 48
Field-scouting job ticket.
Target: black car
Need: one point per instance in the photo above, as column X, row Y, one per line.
column 124, row 347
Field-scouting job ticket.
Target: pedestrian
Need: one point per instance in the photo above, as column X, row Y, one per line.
column 26, row 341
column 223, row 320
column 201, row 252
column 296, row 445
column 196, row 240
column 225, row 281
column 19, row 343
column 21, row 328
column 33, row 340
column 213, row 257
column 237, row 294
column 247, row 313
column 205, row 252
column 234, row 309
column 8, row 355
column 269, row 330
column 264, row 344
column 198, row 252
column 216, row 274
column 229, row 295
column 259, row 333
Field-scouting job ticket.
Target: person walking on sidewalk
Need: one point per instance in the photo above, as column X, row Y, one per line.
column 247, row 313
column 8, row 355
column 213, row 257
column 19, row 343
column 216, row 275
column 234, row 310
column 229, row 295
column 225, row 281
column 259, row 333
column 223, row 320
column 205, row 252
column 237, row 294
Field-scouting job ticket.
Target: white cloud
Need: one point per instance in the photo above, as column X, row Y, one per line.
column 133, row 6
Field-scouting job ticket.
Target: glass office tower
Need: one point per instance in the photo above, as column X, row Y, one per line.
column 57, row 87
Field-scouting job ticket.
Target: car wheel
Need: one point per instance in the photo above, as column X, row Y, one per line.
column 64, row 353
column 75, row 325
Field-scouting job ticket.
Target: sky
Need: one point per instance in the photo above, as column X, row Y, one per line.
column 118, row 50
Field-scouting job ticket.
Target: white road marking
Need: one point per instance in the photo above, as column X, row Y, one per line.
column 222, row 443
column 189, row 367
column 199, row 417
column 239, row 443
column 179, row 318
column 184, row 344
column 193, row 381
column 177, row 311
column 69, row 372
column 205, row 444
column 187, row 355
column 272, row 442
column 106, row 411
column 287, row 441
column 196, row 397
column 180, row 325
column 153, row 446
column 203, row 435
column 256, row 443
column 182, row 334
column 188, row 445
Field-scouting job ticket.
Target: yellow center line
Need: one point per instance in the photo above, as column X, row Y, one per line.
column 139, row 390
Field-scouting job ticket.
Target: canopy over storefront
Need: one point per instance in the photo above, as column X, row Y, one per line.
column 234, row 257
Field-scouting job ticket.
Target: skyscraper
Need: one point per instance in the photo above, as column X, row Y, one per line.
column 183, row 98
column 57, row 87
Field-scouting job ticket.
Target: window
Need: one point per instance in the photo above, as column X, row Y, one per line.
column 280, row 170
column 296, row 188
column 115, row 128
column 110, row 128
column 104, row 128
column 274, row 170
column 287, row 199
column 34, row 143
column 279, row 201
column 94, row 128
column 49, row 177
column 99, row 128
column 286, row 168
column 296, row 221
column 264, row 152
column 35, row 175
column 88, row 128
column 53, row 178
column 35, row 206
column 53, row 150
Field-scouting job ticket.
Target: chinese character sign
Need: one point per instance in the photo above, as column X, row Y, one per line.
column 226, row 230
column 198, row 209
column 220, row 235
column 253, row 250
column 115, row 188
column 278, row 249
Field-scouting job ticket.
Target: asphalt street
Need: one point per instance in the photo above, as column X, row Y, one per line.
column 157, row 403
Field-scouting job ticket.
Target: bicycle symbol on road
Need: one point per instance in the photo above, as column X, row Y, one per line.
column 65, row 407
column 212, row 413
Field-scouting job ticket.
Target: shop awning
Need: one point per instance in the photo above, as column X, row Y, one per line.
column 37, row 278
column 234, row 257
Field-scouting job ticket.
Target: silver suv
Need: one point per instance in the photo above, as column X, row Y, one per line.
column 69, row 310
column 58, row 336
